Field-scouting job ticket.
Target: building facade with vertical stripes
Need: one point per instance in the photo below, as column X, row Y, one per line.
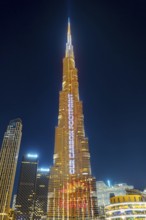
column 8, row 162
column 41, row 193
column 25, row 200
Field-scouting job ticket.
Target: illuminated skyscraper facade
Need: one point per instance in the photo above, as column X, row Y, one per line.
column 8, row 162
column 72, row 189
column 25, row 200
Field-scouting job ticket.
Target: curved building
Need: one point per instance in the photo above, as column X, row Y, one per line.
column 126, row 207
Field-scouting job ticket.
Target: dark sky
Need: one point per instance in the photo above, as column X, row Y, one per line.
column 109, row 39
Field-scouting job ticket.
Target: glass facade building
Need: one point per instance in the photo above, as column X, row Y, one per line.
column 8, row 162
column 41, row 193
column 25, row 200
column 72, row 188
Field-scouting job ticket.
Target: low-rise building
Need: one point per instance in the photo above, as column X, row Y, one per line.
column 104, row 192
column 126, row 207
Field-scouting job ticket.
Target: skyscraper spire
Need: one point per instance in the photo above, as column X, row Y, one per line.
column 69, row 47
column 72, row 189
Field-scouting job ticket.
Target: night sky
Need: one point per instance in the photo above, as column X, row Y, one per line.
column 109, row 39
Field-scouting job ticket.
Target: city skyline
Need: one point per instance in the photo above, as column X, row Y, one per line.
column 112, row 81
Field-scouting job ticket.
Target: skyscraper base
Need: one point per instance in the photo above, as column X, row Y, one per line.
column 74, row 199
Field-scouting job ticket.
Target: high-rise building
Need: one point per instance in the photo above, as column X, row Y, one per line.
column 41, row 193
column 25, row 200
column 8, row 162
column 72, row 189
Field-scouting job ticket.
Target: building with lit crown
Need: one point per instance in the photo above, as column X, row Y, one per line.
column 8, row 162
column 72, row 188
column 126, row 207
column 25, row 200
column 41, row 193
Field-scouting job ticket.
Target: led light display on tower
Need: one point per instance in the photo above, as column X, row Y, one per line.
column 71, row 134
column 72, row 189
